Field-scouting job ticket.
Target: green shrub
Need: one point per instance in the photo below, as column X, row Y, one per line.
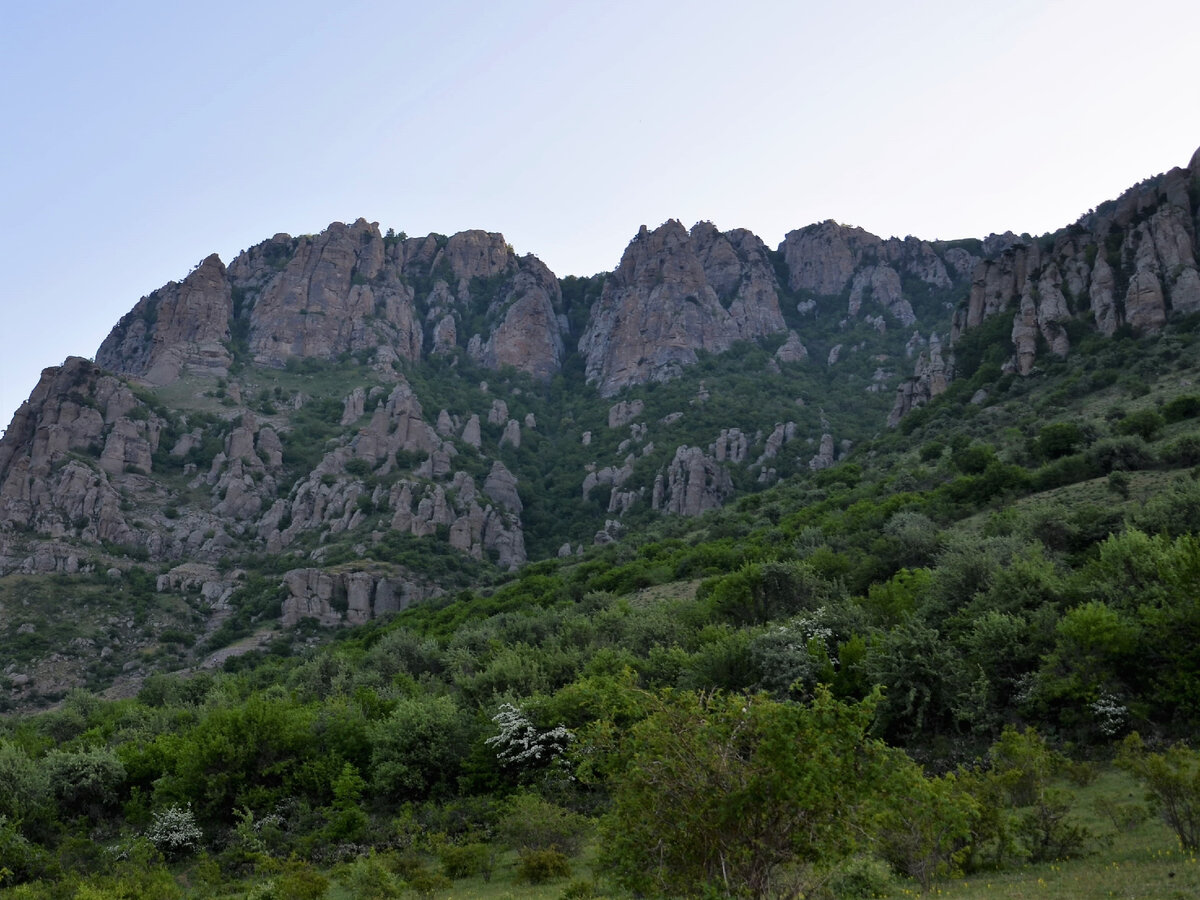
column 1065, row 470
column 367, row 878
column 426, row 884
column 1058, row 439
column 531, row 823
column 1118, row 483
column 540, row 866
column 359, row 468
column 1184, row 450
column 1172, row 780
column 1184, row 407
column 579, row 889
column 24, row 785
column 861, row 878
column 1123, row 816
column 932, row 451
column 466, row 860
column 1128, row 453
column 22, row 859
column 1145, row 423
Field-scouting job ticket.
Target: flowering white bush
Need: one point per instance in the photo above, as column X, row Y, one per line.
column 1111, row 714
column 519, row 743
column 174, row 830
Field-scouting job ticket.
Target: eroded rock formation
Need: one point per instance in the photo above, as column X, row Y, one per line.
column 676, row 293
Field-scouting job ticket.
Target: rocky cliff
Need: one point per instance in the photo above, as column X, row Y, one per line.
column 347, row 290
column 1131, row 262
column 828, row 258
column 182, row 326
column 80, row 429
column 255, row 458
column 351, row 290
column 676, row 293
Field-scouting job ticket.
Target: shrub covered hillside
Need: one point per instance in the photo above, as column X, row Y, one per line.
column 895, row 673
column 371, row 566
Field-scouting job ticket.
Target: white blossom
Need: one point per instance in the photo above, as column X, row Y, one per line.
column 520, row 743
column 1111, row 714
column 174, row 830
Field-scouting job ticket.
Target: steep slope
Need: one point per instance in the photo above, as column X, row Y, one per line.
column 338, row 425
column 1131, row 263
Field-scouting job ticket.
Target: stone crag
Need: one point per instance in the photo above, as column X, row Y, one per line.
column 92, row 467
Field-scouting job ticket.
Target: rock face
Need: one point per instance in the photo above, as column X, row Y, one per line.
column 824, row 456
column 1132, row 261
column 676, row 293
column 828, row 258
column 930, row 378
column 259, row 466
column 881, row 284
column 348, row 289
column 182, row 326
column 792, row 350
column 528, row 335
column 76, row 413
column 348, row 598
column 693, row 483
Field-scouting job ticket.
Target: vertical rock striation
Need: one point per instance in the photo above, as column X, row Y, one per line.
column 676, row 293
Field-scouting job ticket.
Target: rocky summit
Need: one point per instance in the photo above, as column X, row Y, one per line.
column 383, row 416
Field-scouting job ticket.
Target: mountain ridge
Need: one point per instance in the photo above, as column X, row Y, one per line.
column 325, row 401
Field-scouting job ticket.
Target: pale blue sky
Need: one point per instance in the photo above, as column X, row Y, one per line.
column 138, row 137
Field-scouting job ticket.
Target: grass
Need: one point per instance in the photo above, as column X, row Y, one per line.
column 1126, row 870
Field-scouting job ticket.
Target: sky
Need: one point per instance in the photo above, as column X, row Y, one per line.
column 136, row 138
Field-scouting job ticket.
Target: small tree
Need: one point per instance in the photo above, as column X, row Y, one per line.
column 1173, row 782
column 1023, row 765
column 174, row 831
column 521, row 746
column 924, row 828
column 531, row 823
column 727, row 790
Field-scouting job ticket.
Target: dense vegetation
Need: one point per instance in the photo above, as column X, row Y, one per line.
column 947, row 655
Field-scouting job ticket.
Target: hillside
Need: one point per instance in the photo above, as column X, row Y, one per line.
column 363, row 493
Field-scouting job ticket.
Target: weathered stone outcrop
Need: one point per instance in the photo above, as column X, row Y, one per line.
column 41, row 557
column 930, row 378
column 324, row 295
column 1132, row 262
column 692, row 483
column 349, row 598
column 397, row 425
column 674, row 294
column 824, row 455
column 501, row 487
column 244, row 475
column 214, row 588
column 792, row 350
column 76, row 412
column 826, row 258
column 881, row 284
column 610, row 476
column 732, row 444
column 783, row 433
column 624, row 412
column 528, row 335
column 738, row 269
column 348, row 289
column 182, row 326
column 471, row 432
